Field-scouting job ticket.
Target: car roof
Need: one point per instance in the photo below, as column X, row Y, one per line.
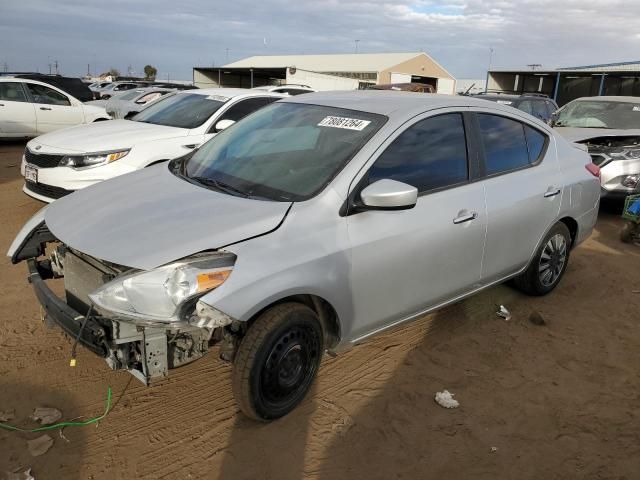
column 609, row 98
column 391, row 102
column 228, row 92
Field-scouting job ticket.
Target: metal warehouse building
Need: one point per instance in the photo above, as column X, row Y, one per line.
column 328, row 72
column 566, row 84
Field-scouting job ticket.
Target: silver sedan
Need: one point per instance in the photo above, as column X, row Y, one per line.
column 309, row 226
column 126, row 105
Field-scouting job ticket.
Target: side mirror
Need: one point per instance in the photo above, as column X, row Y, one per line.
column 389, row 194
column 223, row 124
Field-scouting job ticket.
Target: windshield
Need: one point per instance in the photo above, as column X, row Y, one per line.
column 599, row 114
column 181, row 110
column 283, row 152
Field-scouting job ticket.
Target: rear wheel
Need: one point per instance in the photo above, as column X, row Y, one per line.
column 549, row 264
column 277, row 361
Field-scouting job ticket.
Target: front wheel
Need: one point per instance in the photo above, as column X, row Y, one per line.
column 277, row 361
column 549, row 263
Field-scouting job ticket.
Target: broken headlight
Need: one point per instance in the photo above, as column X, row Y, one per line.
column 92, row 159
column 159, row 295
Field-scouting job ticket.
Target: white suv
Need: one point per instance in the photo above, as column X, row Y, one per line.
column 29, row 108
column 56, row 164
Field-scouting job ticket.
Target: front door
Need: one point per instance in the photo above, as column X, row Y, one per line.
column 406, row 261
column 54, row 110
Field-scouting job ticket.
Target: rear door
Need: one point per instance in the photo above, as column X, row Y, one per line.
column 17, row 114
column 54, row 109
column 523, row 190
column 405, row 261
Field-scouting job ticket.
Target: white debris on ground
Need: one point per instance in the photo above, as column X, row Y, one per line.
column 446, row 400
column 40, row 446
column 46, row 415
column 7, row 415
column 504, row 313
column 494, row 449
column 24, row 475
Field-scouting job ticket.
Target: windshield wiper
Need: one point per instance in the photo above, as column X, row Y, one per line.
column 223, row 187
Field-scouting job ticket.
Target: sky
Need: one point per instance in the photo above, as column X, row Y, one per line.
column 175, row 36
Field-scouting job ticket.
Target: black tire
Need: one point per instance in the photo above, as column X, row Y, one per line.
column 543, row 274
column 277, row 361
column 627, row 232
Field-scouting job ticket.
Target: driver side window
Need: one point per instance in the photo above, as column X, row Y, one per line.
column 429, row 155
column 46, row 95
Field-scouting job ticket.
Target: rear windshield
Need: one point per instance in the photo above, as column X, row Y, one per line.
column 283, row 152
column 184, row 110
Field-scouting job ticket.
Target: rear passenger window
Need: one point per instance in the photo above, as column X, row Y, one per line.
column 505, row 146
column 428, row 155
column 535, row 143
column 12, row 92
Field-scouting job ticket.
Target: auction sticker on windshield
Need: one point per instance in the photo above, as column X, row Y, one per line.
column 344, row 122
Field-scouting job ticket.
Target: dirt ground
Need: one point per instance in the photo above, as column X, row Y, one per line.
column 557, row 401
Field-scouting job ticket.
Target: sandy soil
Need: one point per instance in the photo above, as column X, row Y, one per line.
column 558, row 401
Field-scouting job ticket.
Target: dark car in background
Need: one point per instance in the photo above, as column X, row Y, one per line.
column 538, row 105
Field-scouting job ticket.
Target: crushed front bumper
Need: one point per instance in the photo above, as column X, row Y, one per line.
column 93, row 335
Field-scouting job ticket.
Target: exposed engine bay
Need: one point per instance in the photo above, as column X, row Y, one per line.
column 608, row 148
column 145, row 349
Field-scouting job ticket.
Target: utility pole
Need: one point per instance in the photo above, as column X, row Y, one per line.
column 357, row 41
column 88, row 70
column 55, row 62
column 5, row 67
column 486, row 84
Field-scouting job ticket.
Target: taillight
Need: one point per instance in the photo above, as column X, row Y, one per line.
column 593, row 169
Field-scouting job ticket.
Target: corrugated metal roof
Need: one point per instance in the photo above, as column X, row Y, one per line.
column 608, row 67
column 353, row 62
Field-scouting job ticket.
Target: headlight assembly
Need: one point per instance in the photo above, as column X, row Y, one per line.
column 160, row 295
column 92, row 159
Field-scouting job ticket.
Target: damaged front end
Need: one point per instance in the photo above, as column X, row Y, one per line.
column 143, row 321
column 619, row 160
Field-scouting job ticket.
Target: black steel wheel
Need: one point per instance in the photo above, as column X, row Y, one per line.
column 549, row 263
column 277, row 361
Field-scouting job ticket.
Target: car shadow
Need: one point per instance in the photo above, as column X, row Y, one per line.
column 64, row 458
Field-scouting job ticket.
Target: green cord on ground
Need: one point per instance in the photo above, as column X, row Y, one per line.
column 63, row 424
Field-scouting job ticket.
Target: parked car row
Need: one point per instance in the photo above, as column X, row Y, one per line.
column 277, row 224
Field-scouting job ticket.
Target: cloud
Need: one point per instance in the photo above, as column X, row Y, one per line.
column 175, row 36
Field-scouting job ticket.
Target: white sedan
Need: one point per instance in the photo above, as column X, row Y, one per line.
column 59, row 163
column 29, row 108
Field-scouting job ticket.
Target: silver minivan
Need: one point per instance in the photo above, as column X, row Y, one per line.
column 307, row 227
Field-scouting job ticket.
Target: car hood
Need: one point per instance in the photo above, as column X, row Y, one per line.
column 102, row 136
column 580, row 134
column 149, row 218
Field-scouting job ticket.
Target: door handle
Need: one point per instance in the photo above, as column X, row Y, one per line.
column 465, row 218
column 191, row 146
column 551, row 192
column 45, row 108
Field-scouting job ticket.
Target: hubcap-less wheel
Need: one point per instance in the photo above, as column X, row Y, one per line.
column 277, row 360
column 290, row 365
column 552, row 260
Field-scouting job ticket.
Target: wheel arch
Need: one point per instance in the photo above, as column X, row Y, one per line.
column 326, row 313
column 572, row 225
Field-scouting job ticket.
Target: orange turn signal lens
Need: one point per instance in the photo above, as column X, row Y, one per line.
column 209, row 280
